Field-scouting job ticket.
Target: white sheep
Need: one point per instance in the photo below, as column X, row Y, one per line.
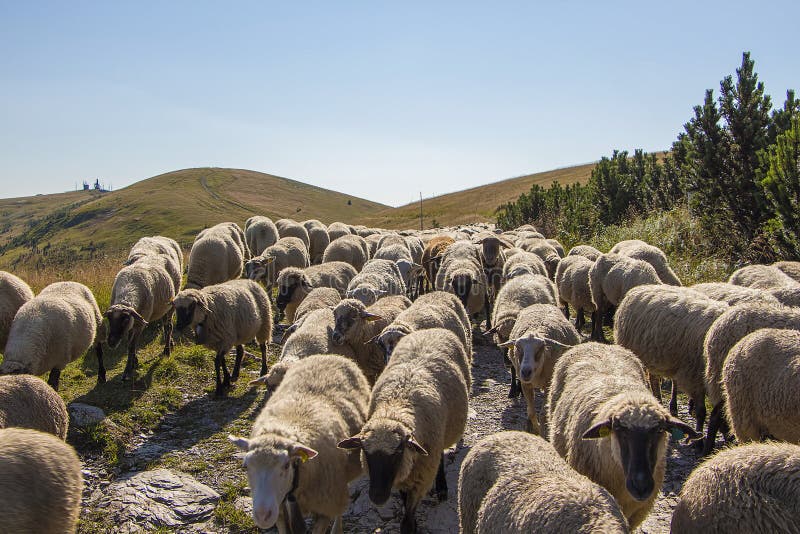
column 514, row 482
column 287, row 252
column 601, row 410
column 759, row 385
column 666, row 326
column 337, row 230
column 610, row 279
column 40, row 482
column 28, row 402
column 260, row 232
column 587, row 251
column 524, row 258
column 292, row 228
column 53, row 329
column 751, row 488
column 317, row 298
column 639, row 250
column 217, row 255
column 14, row 292
column 572, row 283
column 418, row 408
column 377, row 279
column 318, row 239
column 293, row 464
column 762, row 277
column 294, row 284
column 160, row 246
column 142, row 293
column 545, row 251
column 350, row 249
column 223, row 316
column 734, row 294
column 537, row 341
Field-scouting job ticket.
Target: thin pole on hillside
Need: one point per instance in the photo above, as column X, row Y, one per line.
column 420, row 211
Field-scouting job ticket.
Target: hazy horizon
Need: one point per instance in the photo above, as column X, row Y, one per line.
column 378, row 101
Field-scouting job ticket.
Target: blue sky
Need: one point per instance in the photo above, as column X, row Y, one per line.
column 374, row 99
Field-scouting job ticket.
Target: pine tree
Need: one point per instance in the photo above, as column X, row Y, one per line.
column 782, row 118
column 782, row 186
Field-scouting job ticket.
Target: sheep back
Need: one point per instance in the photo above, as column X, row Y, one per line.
column 14, row 292
column 28, row 402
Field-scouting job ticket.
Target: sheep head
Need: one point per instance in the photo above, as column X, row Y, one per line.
column 290, row 281
column 389, row 338
column 530, row 353
column 348, row 316
column 365, row 294
column 191, row 310
column 122, row 319
column 258, row 268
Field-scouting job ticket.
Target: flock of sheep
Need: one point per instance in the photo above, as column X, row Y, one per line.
column 374, row 375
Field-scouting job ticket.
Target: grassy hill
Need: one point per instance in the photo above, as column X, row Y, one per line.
column 177, row 204
column 473, row 205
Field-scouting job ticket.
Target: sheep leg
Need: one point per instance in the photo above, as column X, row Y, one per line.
column 566, row 310
column 597, row 325
column 441, row 482
column 714, row 423
column 580, row 319
column 263, row 347
column 101, row 369
column 53, row 378
column 224, row 381
column 487, row 306
column 168, row 333
column 238, row 363
column 130, row 366
column 321, row 524
column 726, row 429
column 655, row 385
column 409, row 523
column 700, row 409
column 673, row 401
column 514, row 391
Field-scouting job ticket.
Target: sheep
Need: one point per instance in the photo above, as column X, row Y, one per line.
column 14, row 292
column 350, row 249
column 294, row 284
column 356, row 325
column 572, row 283
column 142, row 293
column 639, row 250
column 372, row 243
column 28, row 402
column 378, row 278
column 587, row 251
column 287, row 252
column 493, row 259
column 515, row 482
column 401, row 256
column 320, row 297
column 318, row 239
column 53, row 329
column 666, row 326
column 293, row 464
column 40, row 482
column 337, row 230
column 160, row 246
column 790, row 268
column 416, row 246
column 751, row 488
column 437, row 309
column 528, row 259
column 539, row 337
column 432, row 258
column 292, row 228
column 557, row 246
column 610, row 279
column 418, row 408
column 223, row 316
column 734, row 294
column 461, row 273
column 260, row 232
column 762, row 277
column 545, row 251
column 733, row 325
column 759, row 385
column 217, row 255
column 601, row 410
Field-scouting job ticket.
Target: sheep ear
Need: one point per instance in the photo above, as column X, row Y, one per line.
column 288, row 332
column 492, row 330
column 598, row 431
column 509, row 343
column 260, row 381
column 373, row 340
column 412, row 443
column 269, row 260
column 350, row 444
column 549, row 341
column 242, row 443
column 137, row 317
column 303, row 453
column 371, row 317
column 673, row 424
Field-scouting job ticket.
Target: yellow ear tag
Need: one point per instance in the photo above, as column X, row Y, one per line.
column 604, row 432
column 303, row 456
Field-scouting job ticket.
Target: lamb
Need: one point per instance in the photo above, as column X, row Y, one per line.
column 587, row 251
column 752, row 488
column 294, row 284
column 461, row 273
column 14, row 292
column 40, row 481
column 293, row 465
column 378, row 278
column 142, row 293
column 601, row 410
column 318, row 239
column 53, row 329
column 287, row 252
column 260, row 232
column 223, row 316
column 572, row 282
column 734, row 294
column 759, row 385
column 292, row 228
column 217, row 255
column 418, row 408
column 437, row 309
column 432, row 257
column 350, row 249
column 27, row 402
column 790, row 268
column 356, row 325
column 539, row 337
column 666, row 326
column 610, row 279
column 160, row 246
column 727, row 330
column 762, row 277
column 639, row 250
column 545, row 251
column 514, row 482
column 318, row 298
column 528, row 259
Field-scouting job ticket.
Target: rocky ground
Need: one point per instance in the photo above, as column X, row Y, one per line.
column 183, row 476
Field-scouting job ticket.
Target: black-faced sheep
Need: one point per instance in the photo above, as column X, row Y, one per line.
column 287, row 252
column 294, row 284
